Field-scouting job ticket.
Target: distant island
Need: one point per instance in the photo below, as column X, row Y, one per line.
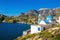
column 30, row 17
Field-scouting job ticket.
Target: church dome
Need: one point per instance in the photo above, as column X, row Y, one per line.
column 49, row 17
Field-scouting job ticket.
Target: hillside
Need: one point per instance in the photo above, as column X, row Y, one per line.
column 31, row 16
column 49, row 34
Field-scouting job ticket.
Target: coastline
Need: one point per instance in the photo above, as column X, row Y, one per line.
column 17, row 22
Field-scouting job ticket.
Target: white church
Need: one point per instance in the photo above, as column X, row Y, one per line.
column 42, row 24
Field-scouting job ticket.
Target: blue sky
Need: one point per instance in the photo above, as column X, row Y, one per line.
column 14, row 7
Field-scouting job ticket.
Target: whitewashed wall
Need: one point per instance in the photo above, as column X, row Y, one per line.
column 34, row 29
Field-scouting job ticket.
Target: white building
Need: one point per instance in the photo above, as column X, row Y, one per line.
column 39, row 18
column 42, row 22
column 36, row 29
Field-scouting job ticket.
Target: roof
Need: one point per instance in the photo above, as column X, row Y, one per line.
column 42, row 22
column 47, row 21
column 49, row 17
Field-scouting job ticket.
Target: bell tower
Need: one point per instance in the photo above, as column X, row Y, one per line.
column 39, row 18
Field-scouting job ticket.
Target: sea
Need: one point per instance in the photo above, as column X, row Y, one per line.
column 10, row 31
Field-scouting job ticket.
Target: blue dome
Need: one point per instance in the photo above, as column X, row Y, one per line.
column 49, row 17
column 47, row 21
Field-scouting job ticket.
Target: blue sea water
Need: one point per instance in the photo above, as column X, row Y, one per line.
column 10, row 31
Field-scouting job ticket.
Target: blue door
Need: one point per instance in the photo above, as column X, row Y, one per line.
column 38, row 28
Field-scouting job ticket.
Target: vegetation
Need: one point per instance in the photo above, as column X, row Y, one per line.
column 26, row 37
column 30, row 17
column 57, row 37
column 44, row 35
column 22, row 18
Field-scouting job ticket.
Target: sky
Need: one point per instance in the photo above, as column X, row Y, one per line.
column 14, row 7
